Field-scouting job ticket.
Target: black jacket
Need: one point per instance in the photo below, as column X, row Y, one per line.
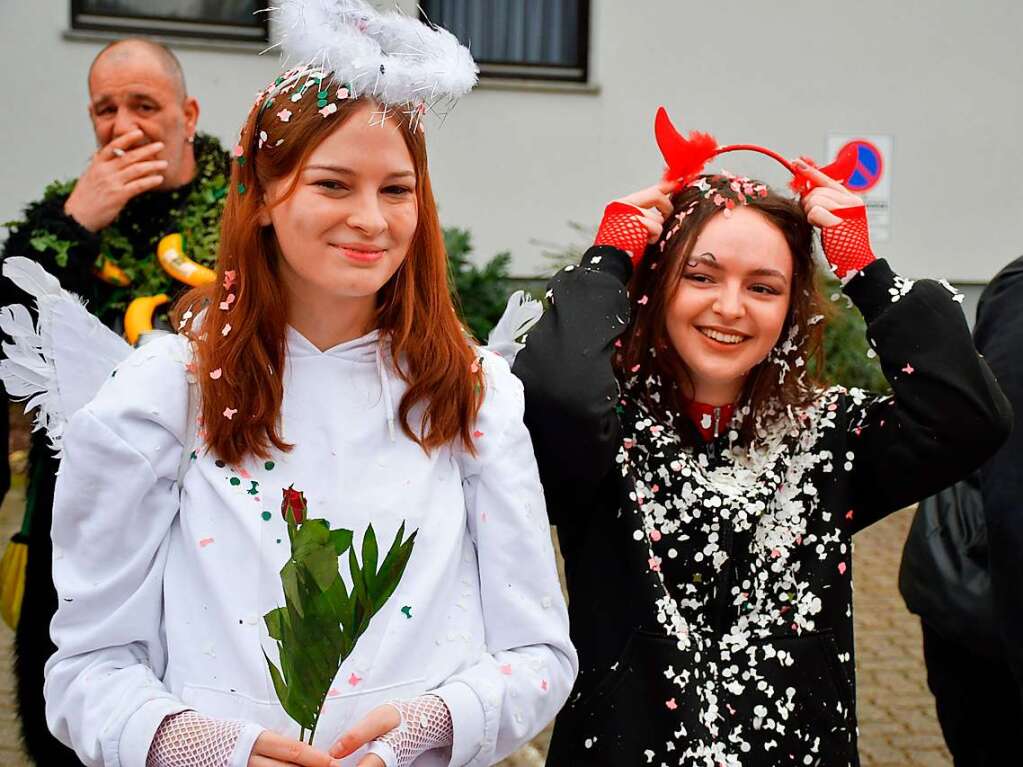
column 143, row 221
column 759, row 668
column 999, row 337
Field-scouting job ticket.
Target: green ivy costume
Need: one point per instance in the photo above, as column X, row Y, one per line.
column 72, row 254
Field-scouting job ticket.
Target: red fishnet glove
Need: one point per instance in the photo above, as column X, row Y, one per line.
column 847, row 245
column 622, row 228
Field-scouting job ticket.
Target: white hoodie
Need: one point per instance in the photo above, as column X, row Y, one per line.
column 160, row 599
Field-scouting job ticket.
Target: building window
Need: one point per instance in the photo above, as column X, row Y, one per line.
column 238, row 20
column 535, row 39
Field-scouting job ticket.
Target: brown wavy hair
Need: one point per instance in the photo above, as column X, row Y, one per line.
column 774, row 385
column 435, row 361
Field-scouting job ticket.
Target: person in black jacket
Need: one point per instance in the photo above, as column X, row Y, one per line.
column 706, row 488
column 152, row 175
column 976, row 673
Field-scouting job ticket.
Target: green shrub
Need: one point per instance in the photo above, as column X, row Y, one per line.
column 480, row 292
column 846, row 359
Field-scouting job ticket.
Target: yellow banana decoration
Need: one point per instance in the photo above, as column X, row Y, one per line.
column 138, row 318
column 12, row 579
column 112, row 274
column 171, row 253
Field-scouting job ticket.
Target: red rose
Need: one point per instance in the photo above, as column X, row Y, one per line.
column 294, row 501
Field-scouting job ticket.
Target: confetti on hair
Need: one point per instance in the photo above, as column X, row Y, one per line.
column 215, row 374
column 230, row 412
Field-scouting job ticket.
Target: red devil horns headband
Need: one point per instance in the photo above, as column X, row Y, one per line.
column 686, row 157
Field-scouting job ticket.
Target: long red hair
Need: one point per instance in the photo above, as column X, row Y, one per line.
column 242, row 369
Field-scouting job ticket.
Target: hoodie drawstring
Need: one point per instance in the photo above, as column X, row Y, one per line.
column 386, row 390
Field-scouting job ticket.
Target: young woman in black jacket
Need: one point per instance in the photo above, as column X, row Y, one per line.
column 706, row 487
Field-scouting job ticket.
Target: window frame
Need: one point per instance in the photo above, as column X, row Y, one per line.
column 544, row 73
column 85, row 20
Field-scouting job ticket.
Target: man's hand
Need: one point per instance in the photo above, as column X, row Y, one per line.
column 115, row 175
column 273, row 750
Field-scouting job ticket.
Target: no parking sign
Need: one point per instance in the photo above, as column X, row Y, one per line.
column 872, row 177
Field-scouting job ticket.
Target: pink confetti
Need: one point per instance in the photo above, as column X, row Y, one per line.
column 849, row 514
column 328, row 110
column 284, row 115
column 543, row 685
column 203, row 543
column 655, row 564
column 775, row 553
column 475, row 366
column 841, row 568
column 239, row 150
column 908, row 370
column 226, row 329
column 506, row 669
column 477, row 434
column 354, row 679
column 229, row 278
column 229, row 413
column 244, row 474
column 215, row 374
column 643, row 301
column 190, row 368
column 342, row 93
column 655, row 535
column 671, row 704
column 224, row 306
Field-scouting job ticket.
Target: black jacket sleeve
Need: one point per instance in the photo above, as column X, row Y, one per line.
column 570, row 387
column 947, row 414
column 999, row 337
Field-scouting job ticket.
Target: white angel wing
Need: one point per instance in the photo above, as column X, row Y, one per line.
column 58, row 363
column 520, row 315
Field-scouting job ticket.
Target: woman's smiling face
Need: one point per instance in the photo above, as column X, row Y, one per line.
column 349, row 224
column 731, row 303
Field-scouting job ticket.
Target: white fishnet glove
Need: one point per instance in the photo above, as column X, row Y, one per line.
column 425, row 724
column 190, row 739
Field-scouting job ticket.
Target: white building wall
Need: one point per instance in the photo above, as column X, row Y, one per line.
column 515, row 165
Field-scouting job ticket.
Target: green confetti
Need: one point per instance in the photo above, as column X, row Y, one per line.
column 235, row 481
column 254, row 490
column 241, row 188
column 269, row 465
column 266, row 518
column 407, row 611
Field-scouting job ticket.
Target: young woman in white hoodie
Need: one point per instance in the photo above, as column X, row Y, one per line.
column 327, row 367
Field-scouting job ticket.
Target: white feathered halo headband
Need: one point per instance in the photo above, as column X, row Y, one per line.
column 398, row 60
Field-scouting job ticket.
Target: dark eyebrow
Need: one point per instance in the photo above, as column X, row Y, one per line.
column 104, row 98
column 340, row 169
column 708, row 259
column 768, row 273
